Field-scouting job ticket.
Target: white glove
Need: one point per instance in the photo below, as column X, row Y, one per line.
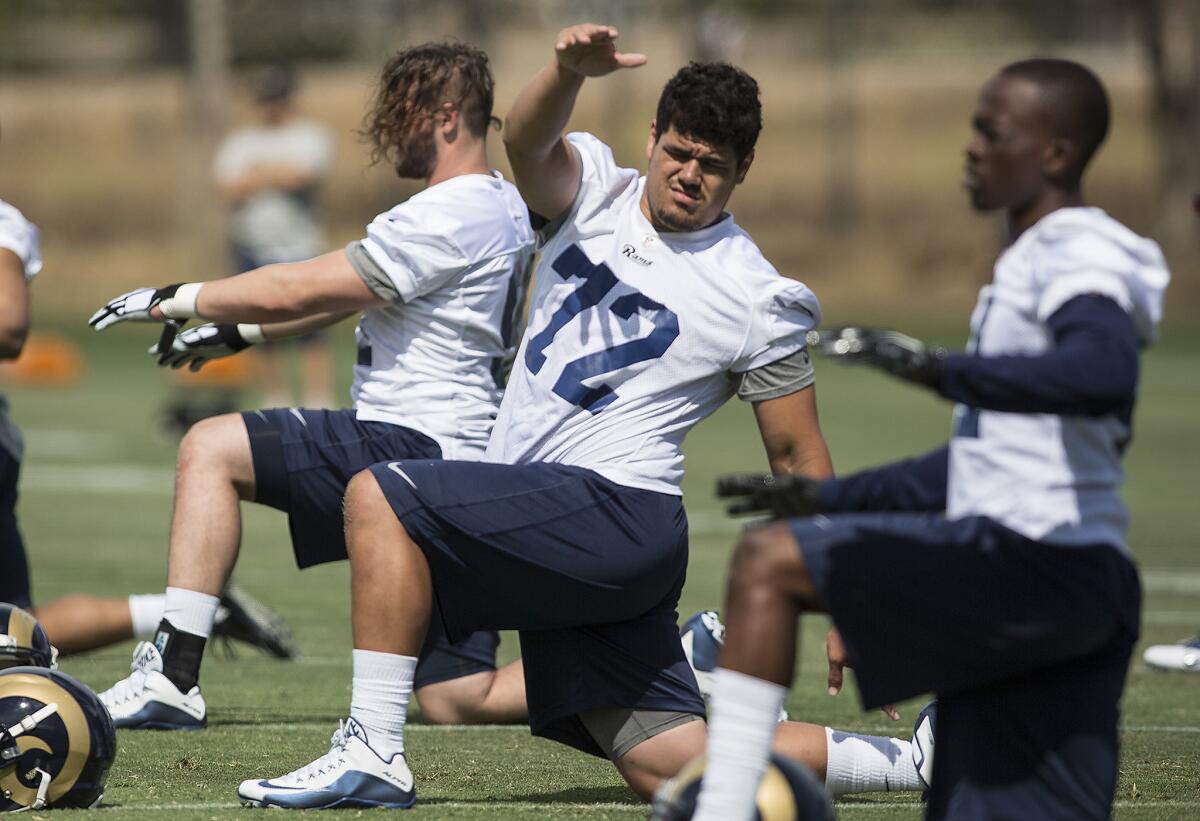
column 176, row 301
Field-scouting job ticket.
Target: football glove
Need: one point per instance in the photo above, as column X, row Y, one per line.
column 198, row 345
column 134, row 306
column 891, row 351
column 781, row 495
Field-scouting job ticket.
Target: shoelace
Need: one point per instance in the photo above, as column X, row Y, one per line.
column 127, row 688
column 337, row 748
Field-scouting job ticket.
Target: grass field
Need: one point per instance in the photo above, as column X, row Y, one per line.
column 96, row 499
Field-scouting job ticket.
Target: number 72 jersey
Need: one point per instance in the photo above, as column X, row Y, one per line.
column 635, row 336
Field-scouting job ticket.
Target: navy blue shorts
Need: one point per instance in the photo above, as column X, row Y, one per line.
column 303, row 460
column 588, row 570
column 14, row 566
column 1026, row 645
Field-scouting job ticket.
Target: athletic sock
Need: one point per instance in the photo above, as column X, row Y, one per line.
column 868, row 763
column 383, row 683
column 743, row 717
column 146, row 612
column 187, row 622
column 190, row 611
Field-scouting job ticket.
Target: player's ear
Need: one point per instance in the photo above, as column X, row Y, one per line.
column 450, row 119
column 652, row 139
column 1058, row 157
column 744, row 167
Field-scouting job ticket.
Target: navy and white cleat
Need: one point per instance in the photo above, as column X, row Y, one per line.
column 703, row 636
column 1184, row 656
column 147, row 700
column 350, row 775
column 922, row 743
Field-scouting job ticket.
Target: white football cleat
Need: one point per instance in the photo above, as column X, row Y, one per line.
column 350, row 775
column 148, row 700
column 702, row 637
column 1184, row 656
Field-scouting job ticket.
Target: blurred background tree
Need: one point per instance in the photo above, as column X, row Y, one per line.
column 109, row 112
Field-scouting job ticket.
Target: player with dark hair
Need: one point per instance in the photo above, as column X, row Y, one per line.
column 993, row 571
column 710, row 102
column 652, row 308
column 439, row 280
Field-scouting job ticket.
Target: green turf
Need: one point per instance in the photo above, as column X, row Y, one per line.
column 95, row 510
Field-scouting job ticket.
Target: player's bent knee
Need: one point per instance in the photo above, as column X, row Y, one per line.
column 219, row 441
column 655, row 758
column 769, row 556
column 365, row 508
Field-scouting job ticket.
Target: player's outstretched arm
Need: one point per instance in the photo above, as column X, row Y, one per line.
column 899, row 354
column 777, row 495
column 916, row 484
column 1091, row 369
column 273, row 293
column 546, row 169
column 194, row 347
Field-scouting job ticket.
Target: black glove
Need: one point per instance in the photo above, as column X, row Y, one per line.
column 781, row 495
column 891, row 351
column 197, row 345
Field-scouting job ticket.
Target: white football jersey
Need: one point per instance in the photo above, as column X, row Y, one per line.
column 20, row 236
column 458, row 256
column 1053, row 478
column 633, row 335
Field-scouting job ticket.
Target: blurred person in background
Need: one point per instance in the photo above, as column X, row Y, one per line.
column 78, row 622
column 269, row 175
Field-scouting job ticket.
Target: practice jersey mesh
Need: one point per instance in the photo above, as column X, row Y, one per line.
column 633, row 335
column 20, row 236
column 456, row 253
column 1053, row 478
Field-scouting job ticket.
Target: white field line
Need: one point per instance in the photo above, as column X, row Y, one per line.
column 880, row 729
column 71, row 444
column 509, row 806
column 97, row 479
column 500, row 805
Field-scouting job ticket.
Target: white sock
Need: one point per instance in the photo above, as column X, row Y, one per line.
column 743, row 715
column 383, row 683
column 868, row 763
column 190, row 611
column 146, row 612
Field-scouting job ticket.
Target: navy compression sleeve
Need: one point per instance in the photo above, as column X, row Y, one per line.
column 913, row 484
column 1092, row 370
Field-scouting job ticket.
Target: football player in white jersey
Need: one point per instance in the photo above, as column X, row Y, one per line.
column 652, row 308
column 78, row 622
column 1018, row 605
column 438, row 280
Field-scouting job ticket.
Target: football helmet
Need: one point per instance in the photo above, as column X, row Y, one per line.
column 57, row 742
column 788, row 792
column 23, row 642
